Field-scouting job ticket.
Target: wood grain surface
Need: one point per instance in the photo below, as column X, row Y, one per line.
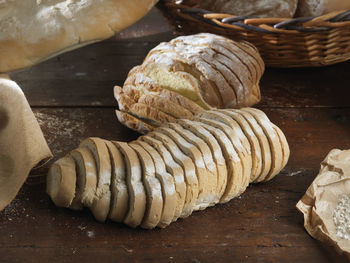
column 71, row 96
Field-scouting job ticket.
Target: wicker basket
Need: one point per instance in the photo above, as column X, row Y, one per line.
column 282, row 42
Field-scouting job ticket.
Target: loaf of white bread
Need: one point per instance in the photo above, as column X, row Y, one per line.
column 275, row 8
column 320, row 7
column 35, row 30
column 259, row 8
column 187, row 75
column 178, row 168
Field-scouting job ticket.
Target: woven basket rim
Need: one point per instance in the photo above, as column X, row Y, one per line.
column 312, row 24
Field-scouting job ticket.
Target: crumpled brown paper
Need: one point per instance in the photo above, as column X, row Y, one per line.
column 322, row 198
column 22, row 144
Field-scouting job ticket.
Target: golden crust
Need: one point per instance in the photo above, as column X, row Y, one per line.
column 133, row 122
column 151, row 99
column 191, row 67
column 147, row 112
column 227, row 72
column 94, row 22
column 166, row 106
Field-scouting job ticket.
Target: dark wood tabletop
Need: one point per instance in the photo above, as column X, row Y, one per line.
column 71, row 95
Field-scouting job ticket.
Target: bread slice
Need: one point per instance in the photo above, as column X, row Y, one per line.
column 167, row 183
column 134, row 123
column 136, row 190
column 253, row 141
column 154, row 205
column 124, row 101
column 144, row 111
column 153, row 99
column 173, row 169
column 233, row 163
column 86, row 175
column 264, row 145
column 205, row 196
column 274, row 141
column 166, row 106
column 76, row 204
column 284, row 143
column 284, row 147
column 101, row 205
column 188, row 167
column 129, row 95
column 238, row 139
column 206, row 155
column 119, row 190
column 238, row 147
column 140, row 109
column 142, row 84
column 100, row 208
column 215, row 149
column 100, row 153
column 61, row 182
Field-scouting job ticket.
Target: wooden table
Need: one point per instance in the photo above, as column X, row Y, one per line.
column 71, row 96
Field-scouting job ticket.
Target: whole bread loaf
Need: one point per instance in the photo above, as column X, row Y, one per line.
column 35, row 30
column 178, row 168
column 260, row 8
column 320, row 7
column 187, row 75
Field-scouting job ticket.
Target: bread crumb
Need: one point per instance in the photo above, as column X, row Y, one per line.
column 82, row 227
column 341, row 217
column 294, row 173
column 91, row 234
column 81, row 74
column 96, row 103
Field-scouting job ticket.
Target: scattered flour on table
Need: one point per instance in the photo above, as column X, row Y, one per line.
column 341, row 217
column 294, row 173
column 59, row 127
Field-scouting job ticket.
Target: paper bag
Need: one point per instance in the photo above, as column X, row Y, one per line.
column 22, row 144
column 326, row 203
